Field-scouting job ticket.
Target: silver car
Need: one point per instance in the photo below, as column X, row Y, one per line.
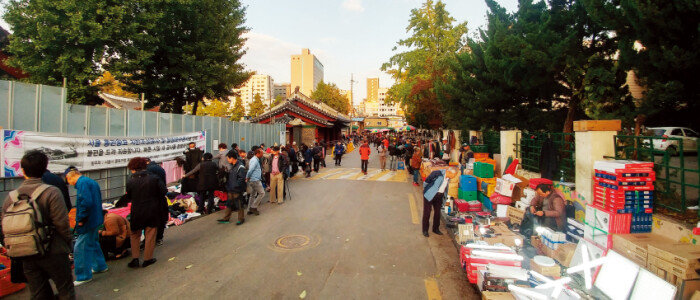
column 687, row 135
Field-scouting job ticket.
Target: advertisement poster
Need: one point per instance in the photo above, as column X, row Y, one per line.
column 90, row 152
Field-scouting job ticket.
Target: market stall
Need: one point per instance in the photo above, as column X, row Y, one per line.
column 610, row 252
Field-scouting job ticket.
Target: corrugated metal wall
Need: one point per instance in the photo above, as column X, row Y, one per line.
column 43, row 108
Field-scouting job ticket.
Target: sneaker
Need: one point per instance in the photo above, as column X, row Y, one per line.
column 222, row 221
column 149, row 262
column 79, row 282
column 415, row 184
column 98, row 272
column 134, row 263
column 159, row 243
column 240, row 222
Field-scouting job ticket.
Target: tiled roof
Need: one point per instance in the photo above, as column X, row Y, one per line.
column 290, row 105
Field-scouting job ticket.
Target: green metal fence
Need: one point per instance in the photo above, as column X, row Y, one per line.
column 529, row 150
column 677, row 172
column 492, row 140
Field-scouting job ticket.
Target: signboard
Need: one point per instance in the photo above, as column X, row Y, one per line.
column 90, row 152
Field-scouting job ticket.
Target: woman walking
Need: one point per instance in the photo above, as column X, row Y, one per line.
column 148, row 210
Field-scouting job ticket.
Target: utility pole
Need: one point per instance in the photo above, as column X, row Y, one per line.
column 352, row 92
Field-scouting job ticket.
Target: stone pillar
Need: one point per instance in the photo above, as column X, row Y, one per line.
column 508, row 140
column 593, row 143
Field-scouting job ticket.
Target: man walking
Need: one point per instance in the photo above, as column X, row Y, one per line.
column 338, row 152
column 433, row 194
column 87, row 255
column 382, row 156
column 55, row 264
column 157, row 170
column 317, row 151
column 364, row 156
column 254, row 179
column 278, row 166
column 235, row 186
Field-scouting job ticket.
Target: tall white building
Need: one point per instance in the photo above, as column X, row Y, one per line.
column 378, row 108
column 307, row 72
column 257, row 84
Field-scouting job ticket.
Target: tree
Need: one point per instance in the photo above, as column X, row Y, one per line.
column 433, row 42
column 57, row 39
column 278, row 99
column 108, row 84
column 238, row 111
column 329, row 94
column 182, row 51
column 659, row 41
column 257, row 107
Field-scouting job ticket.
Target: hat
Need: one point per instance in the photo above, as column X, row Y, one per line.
column 69, row 169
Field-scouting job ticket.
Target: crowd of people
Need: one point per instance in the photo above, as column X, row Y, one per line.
column 245, row 177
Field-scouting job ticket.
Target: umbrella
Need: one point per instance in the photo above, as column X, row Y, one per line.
column 375, row 130
column 384, row 130
column 408, row 128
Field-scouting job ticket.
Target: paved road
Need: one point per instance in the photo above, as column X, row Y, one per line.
column 360, row 239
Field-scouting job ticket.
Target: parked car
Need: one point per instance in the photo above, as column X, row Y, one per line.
column 687, row 135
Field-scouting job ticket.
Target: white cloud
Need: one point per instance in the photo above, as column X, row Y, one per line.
column 353, row 5
column 269, row 55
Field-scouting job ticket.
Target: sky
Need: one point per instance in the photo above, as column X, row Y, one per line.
column 347, row 36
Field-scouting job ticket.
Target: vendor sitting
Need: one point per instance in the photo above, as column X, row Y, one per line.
column 549, row 206
column 114, row 238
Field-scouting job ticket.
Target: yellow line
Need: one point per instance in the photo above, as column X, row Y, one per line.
column 414, row 209
column 321, row 173
column 400, row 177
column 432, row 289
column 382, row 173
column 348, row 171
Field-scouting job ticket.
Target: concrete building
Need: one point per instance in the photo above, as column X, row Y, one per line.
column 379, row 107
column 307, row 72
column 282, row 89
column 372, row 89
column 257, row 84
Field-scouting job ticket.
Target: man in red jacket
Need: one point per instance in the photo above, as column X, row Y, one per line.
column 364, row 155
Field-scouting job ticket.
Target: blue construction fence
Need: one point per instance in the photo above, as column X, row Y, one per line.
column 43, row 108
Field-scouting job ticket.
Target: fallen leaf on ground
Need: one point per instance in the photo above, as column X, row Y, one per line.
column 171, row 259
column 188, row 267
column 302, row 295
column 115, row 290
column 298, row 273
column 347, row 240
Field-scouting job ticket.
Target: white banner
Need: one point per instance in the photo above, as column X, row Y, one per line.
column 90, row 153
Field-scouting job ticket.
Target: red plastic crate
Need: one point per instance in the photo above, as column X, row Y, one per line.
column 6, row 286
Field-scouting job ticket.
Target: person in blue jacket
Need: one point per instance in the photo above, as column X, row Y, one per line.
column 88, row 257
column 338, row 153
column 308, row 158
column 434, row 191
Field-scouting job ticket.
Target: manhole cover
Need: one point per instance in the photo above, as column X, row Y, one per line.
column 292, row 242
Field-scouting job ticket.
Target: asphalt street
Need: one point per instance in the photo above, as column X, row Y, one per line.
column 340, row 236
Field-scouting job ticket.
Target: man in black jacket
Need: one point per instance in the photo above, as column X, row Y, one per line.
column 193, row 156
column 55, row 180
column 207, row 182
column 235, row 186
column 317, row 152
column 157, row 170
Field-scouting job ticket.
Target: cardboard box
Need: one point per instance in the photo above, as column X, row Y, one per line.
column 681, row 259
column 516, row 215
column 504, row 187
column 496, row 296
column 634, row 246
column 564, row 254
column 553, row 271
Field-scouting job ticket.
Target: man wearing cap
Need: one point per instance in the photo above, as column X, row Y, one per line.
column 88, row 257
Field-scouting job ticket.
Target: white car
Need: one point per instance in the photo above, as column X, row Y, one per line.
column 687, row 135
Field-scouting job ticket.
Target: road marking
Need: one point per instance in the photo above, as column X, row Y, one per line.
column 380, row 176
column 320, row 174
column 432, row 289
column 400, row 176
column 329, row 174
column 414, row 209
column 344, row 173
column 386, row 175
column 369, row 174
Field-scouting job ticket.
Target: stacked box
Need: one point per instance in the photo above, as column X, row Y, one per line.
column 600, row 225
column 467, row 187
column 574, row 230
column 624, row 187
column 467, row 195
column 483, row 170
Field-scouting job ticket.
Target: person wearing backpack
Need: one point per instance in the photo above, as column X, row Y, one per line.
column 87, row 255
column 318, row 152
column 47, row 259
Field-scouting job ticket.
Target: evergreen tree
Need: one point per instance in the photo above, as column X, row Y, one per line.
column 238, row 111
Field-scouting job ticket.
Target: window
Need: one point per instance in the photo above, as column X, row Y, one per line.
column 690, row 133
column 676, row 131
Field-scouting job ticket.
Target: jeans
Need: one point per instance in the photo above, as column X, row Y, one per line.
column 338, row 159
column 393, row 163
column 416, row 176
column 256, row 195
column 88, row 255
column 364, row 164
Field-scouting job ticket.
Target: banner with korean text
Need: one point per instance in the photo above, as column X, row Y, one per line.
column 90, row 152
